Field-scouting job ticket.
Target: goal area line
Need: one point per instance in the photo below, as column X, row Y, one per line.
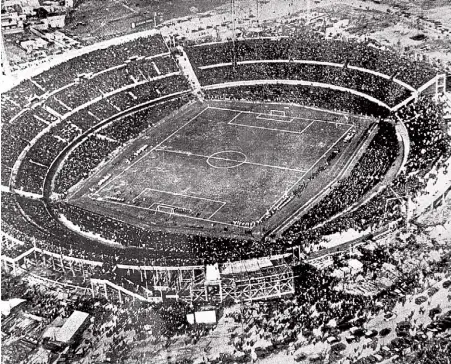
column 261, row 115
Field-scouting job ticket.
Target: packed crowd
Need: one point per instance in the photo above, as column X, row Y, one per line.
column 47, row 148
column 386, row 206
column 428, row 140
column 19, row 97
column 133, row 73
column 163, row 248
column 82, row 161
column 380, row 88
column 368, row 172
column 304, row 95
column 428, row 144
column 321, row 311
column 99, row 60
column 96, row 147
column 95, row 62
column 17, row 135
column 281, row 323
column 87, row 77
column 313, row 47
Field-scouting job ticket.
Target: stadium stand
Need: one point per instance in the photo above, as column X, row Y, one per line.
column 81, row 98
column 313, row 47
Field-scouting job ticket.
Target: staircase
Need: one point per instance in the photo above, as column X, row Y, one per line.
column 187, row 70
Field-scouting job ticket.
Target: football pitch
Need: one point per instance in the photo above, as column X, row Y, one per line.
column 220, row 165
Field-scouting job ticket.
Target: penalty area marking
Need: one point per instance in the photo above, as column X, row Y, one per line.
column 172, row 214
column 232, row 122
column 158, row 147
column 294, row 117
column 182, row 195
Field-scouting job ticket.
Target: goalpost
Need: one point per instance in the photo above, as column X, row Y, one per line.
column 277, row 112
column 166, row 209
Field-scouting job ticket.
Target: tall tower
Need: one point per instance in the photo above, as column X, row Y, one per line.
column 258, row 21
column 233, row 34
column 6, row 70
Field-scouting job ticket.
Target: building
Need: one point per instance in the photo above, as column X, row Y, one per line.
column 61, row 336
column 73, row 325
column 12, row 22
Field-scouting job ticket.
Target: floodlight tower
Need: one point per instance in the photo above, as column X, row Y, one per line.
column 258, row 22
column 233, row 34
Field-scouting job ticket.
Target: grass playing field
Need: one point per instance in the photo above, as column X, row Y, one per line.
column 216, row 164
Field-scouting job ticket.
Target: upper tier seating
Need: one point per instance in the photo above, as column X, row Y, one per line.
column 382, row 89
column 18, row 134
column 315, row 48
column 100, row 60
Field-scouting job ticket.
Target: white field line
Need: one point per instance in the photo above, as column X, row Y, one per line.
column 283, row 195
column 152, row 149
column 189, row 154
column 214, row 213
column 272, row 129
column 313, row 166
column 294, row 117
column 157, row 204
column 260, row 117
column 239, row 112
column 236, row 116
column 183, row 195
column 134, row 199
column 282, row 227
column 330, row 148
column 167, row 213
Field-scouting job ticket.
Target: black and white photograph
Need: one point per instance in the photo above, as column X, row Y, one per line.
column 225, row 182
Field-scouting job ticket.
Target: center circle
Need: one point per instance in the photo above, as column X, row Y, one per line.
column 226, row 159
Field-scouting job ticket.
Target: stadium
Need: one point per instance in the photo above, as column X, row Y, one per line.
column 152, row 170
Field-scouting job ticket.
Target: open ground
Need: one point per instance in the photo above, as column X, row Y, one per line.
column 216, row 165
